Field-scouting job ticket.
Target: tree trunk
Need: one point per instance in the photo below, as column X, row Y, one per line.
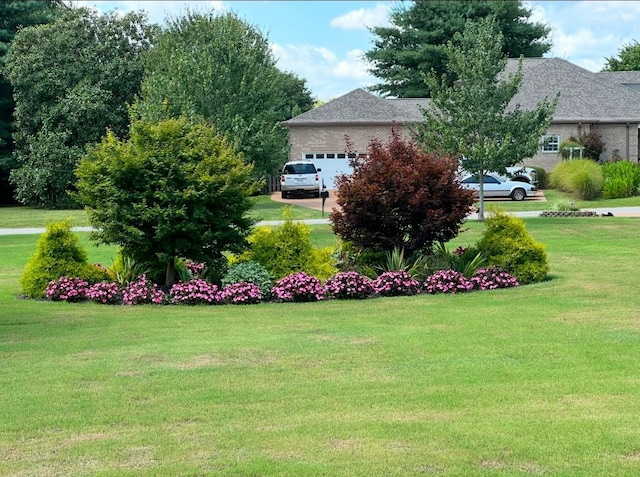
column 481, row 196
column 170, row 276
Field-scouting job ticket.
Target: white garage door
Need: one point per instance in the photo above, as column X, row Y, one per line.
column 331, row 163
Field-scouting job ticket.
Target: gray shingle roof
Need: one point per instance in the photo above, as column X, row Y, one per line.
column 584, row 97
column 362, row 107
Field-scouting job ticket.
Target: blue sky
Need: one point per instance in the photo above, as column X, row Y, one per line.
column 324, row 41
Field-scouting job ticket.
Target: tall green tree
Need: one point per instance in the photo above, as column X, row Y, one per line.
column 221, row 68
column 628, row 59
column 474, row 118
column 15, row 15
column 174, row 189
column 415, row 42
column 72, row 80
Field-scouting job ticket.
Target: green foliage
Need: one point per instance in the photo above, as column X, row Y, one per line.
column 507, row 244
column 472, row 119
column 621, row 179
column 565, row 152
column 399, row 196
column 124, row 270
column 591, row 143
column 628, row 59
column 414, row 44
column 174, row 189
column 562, row 205
column 287, row 249
column 72, row 80
column 58, row 254
column 221, row 68
column 543, row 177
column 581, row 177
column 465, row 261
column 251, row 272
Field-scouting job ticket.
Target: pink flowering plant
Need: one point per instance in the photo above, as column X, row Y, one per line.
column 142, row 291
column 298, row 287
column 492, row 278
column 349, row 285
column 396, row 283
column 196, row 269
column 104, row 292
column 241, row 293
column 67, row 289
column 194, row 292
column 447, row 281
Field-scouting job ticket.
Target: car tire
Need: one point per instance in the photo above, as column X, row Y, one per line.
column 285, row 195
column 518, row 194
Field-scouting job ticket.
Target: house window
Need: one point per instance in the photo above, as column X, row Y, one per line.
column 550, row 143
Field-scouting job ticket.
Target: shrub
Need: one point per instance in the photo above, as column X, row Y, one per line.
column 349, row 285
column 58, row 254
column 396, row 283
column 593, row 145
column 492, row 278
column 67, row 289
column 464, row 260
column 241, row 293
column 565, row 148
column 251, row 272
column 104, row 292
column 288, row 249
column 142, row 291
column 400, row 196
column 621, row 179
column 543, row 177
column 298, row 287
column 581, row 177
column 562, row 205
column 194, row 292
column 447, row 281
column 507, row 244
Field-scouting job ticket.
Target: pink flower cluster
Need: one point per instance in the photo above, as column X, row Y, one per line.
column 447, row 281
column 194, row 292
column 298, row 287
column 67, row 289
column 241, row 293
column 493, row 278
column 104, row 292
column 396, row 283
column 196, row 268
column 349, row 285
column 142, row 291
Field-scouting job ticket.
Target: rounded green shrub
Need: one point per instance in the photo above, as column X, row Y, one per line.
column 507, row 244
column 58, row 254
column 543, row 177
column 581, row 177
column 621, row 179
column 250, row 272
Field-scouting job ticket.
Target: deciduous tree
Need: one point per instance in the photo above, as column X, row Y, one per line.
column 628, row 59
column 72, row 80
column 474, row 119
column 415, row 43
column 400, row 196
column 221, row 68
column 174, row 189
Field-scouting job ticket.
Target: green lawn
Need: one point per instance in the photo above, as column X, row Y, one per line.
column 537, row 380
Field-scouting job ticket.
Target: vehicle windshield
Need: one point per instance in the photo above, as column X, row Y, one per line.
column 299, row 169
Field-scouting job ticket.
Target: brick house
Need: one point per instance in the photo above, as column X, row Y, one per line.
column 606, row 102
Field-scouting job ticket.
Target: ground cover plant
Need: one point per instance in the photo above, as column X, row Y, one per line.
column 532, row 380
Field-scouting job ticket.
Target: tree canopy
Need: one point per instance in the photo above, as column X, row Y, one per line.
column 628, row 59
column 415, row 43
column 174, row 189
column 222, row 69
column 15, row 15
column 72, row 79
column 473, row 119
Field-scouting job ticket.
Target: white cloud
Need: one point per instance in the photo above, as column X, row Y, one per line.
column 353, row 66
column 157, row 11
column 362, row 18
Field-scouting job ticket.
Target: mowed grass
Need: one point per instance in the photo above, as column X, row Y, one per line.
column 23, row 216
column 537, row 380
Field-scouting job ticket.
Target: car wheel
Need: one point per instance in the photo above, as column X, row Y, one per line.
column 285, row 195
column 518, row 194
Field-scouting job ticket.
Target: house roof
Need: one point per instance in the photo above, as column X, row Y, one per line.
column 360, row 107
column 585, row 96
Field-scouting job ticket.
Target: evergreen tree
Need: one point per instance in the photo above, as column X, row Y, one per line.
column 414, row 44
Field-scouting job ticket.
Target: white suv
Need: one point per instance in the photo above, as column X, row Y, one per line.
column 299, row 176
